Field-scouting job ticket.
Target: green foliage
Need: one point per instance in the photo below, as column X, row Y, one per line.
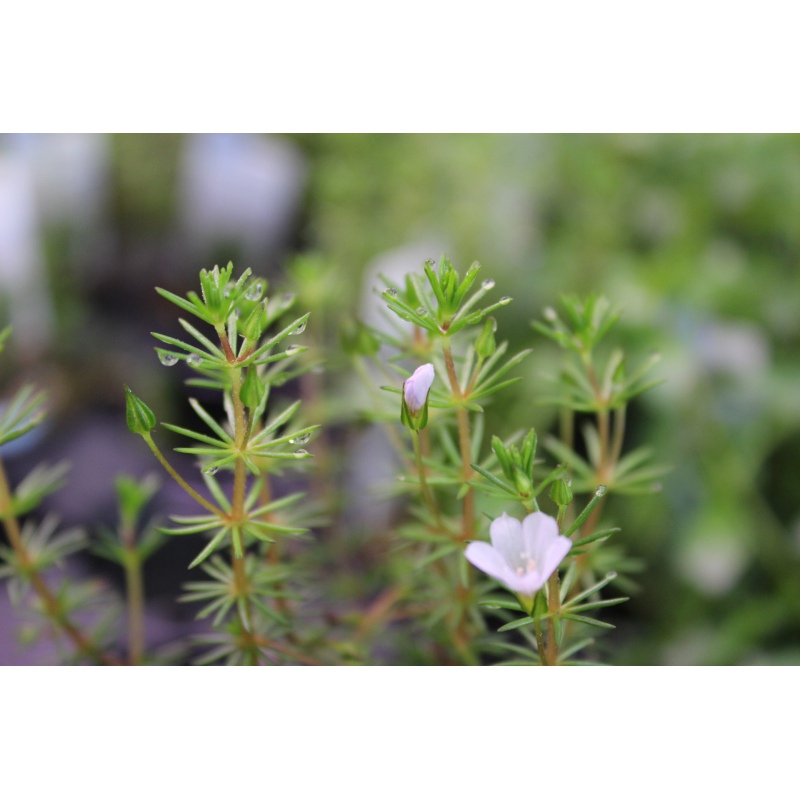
column 247, row 596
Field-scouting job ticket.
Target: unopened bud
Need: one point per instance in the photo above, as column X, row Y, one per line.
column 414, row 412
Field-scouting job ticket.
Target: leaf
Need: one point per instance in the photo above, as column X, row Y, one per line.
column 598, row 604
column 589, row 621
column 517, row 623
column 500, row 602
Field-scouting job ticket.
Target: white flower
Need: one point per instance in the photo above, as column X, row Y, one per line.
column 522, row 555
column 416, row 388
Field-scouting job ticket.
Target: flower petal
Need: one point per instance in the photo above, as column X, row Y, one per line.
column 416, row 388
column 486, row 558
column 555, row 554
column 539, row 531
column 506, row 535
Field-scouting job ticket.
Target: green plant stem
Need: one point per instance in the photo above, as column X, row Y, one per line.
column 135, row 594
column 537, row 626
column 178, row 479
column 460, row 635
column 553, row 607
column 52, row 606
column 462, row 417
column 240, row 435
column 554, row 602
column 423, row 481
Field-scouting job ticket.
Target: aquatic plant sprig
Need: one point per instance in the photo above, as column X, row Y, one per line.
column 243, row 367
column 36, row 548
column 454, row 333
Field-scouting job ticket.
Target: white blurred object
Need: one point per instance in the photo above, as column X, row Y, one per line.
column 71, row 180
column 240, row 188
column 714, row 564
column 22, row 281
column 70, row 173
column 740, row 349
column 393, row 265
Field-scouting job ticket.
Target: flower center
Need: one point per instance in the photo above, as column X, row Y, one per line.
column 530, row 564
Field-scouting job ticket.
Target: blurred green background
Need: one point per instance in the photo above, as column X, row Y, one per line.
column 694, row 236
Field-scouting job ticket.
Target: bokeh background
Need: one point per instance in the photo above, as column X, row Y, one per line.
column 695, row 237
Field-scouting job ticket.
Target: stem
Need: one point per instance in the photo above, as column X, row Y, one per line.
column 52, row 606
column 537, row 626
column 553, row 607
column 554, row 601
column 468, row 518
column 460, row 636
column 240, row 434
column 178, row 479
column 423, row 482
column 135, row 592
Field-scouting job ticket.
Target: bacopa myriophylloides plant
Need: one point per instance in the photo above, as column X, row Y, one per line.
column 246, row 593
column 456, row 366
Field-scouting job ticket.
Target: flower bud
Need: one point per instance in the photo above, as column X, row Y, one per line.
column 414, row 411
column 140, row 418
column 561, row 492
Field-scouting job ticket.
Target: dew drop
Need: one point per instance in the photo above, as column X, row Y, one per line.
column 288, row 297
column 194, row 360
column 391, row 292
column 292, row 349
column 431, row 262
column 298, row 330
column 167, row 359
column 422, row 311
column 301, row 453
column 301, row 439
column 550, row 314
column 505, row 299
column 488, row 284
column 601, row 490
column 211, row 470
column 254, row 292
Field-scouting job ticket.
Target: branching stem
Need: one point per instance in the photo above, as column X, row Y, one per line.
column 52, row 606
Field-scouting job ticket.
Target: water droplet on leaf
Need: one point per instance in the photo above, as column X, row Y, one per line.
column 301, row 453
column 422, row 311
column 601, row 490
column 390, row 292
column 488, row 284
column 299, row 329
column 288, row 297
column 292, row 349
column 211, row 470
column 194, row 360
column 301, row 439
column 167, row 359
column 505, row 299
column 254, row 292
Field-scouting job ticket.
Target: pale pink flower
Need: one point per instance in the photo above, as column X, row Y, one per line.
column 416, row 388
column 522, row 555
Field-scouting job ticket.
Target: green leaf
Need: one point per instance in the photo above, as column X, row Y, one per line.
column 517, row 623
column 500, row 602
column 596, row 623
column 591, row 590
column 614, row 601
